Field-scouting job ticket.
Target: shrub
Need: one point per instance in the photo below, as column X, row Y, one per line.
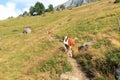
column 117, row 1
column 104, row 66
column 113, row 58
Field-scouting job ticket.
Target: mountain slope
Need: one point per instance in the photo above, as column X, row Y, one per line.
column 74, row 3
column 35, row 56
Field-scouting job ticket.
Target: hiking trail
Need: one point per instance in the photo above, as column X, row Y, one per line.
column 75, row 74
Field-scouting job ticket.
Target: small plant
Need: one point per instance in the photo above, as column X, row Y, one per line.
column 113, row 57
column 100, row 78
column 14, row 30
column 96, row 46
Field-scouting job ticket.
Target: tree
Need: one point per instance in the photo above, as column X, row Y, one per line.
column 46, row 10
column 31, row 10
column 10, row 17
column 117, row 1
column 62, row 7
column 25, row 13
column 58, row 9
column 21, row 15
column 50, row 8
column 39, row 8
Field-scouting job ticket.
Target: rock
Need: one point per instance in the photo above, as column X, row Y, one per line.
column 88, row 43
column 85, row 46
column 27, row 30
column 74, row 3
column 64, row 76
column 117, row 74
column 68, row 76
column 82, row 48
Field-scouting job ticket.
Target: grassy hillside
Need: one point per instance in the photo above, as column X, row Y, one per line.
column 34, row 56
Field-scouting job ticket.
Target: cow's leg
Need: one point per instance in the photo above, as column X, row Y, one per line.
column 70, row 52
column 66, row 48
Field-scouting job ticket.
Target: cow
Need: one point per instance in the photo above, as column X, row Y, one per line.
column 69, row 44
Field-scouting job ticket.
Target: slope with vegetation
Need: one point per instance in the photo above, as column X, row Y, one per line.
column 35, row 57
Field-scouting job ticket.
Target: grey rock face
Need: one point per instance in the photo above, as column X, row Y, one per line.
column 74, row 3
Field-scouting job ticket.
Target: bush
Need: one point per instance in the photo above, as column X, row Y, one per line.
column 113, row 58
column 117, row 1
column 104, row 66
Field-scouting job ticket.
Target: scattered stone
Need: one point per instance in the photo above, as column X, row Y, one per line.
column 117, row 74
column 68, row 76
column 27, row 30
column 84, row 47
column 88, row 43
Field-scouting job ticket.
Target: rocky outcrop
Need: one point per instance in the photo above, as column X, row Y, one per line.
column 74, row 3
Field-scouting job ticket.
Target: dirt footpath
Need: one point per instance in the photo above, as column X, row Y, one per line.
column 75, row 74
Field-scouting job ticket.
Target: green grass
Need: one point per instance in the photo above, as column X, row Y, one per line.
column 58, row 63
column 34, row 56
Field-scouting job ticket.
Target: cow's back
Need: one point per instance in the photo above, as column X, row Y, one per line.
column 71, row 42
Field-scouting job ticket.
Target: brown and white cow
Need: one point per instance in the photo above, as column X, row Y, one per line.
column 69, row 44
